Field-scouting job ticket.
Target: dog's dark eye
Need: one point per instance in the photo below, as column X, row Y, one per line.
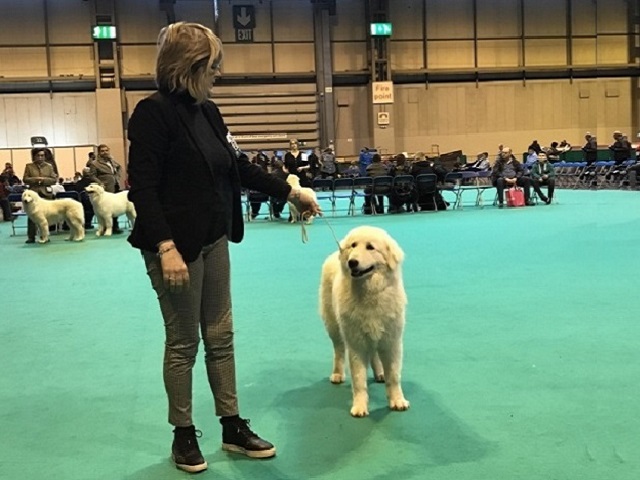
column 353, row 245
column 370, row 247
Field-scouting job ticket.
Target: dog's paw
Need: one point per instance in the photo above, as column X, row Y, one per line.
column 337, row 378
column 43, row 240
column 399, row 404
column 378, row 377
column 98, row 233
column 359, row 410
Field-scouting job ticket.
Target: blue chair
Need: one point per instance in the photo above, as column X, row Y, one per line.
column 427, row 187
column 404, row 191
column 323, row 188
column 342, row 189
column 381, row 187
column 452, row 183
column 360, row 186
column 253, row 196
column 15, row 200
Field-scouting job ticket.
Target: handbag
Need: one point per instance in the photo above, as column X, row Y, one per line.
column 515, row 197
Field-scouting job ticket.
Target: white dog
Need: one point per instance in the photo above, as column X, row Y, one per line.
column 107, row 205
column 362, row 303
column 294, row 181
column 45, row 212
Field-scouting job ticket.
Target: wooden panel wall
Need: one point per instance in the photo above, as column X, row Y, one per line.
column 475, row 119
column 262, row 110
column 448, row 26
column 64, row 119
column 447, row 19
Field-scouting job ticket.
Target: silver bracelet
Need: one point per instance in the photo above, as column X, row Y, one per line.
column 168, row 249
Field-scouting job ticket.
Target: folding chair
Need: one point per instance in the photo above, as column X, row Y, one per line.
column 361, row 185
column 453, row 183
column 342, row 188
column 616, row 175
column 427, row 186
column 381, row 186
column 253, row 196
column 603, row 173
column 15, row 199
column 323, row 188
column 403, row 187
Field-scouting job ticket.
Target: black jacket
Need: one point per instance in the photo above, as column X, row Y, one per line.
column 172, row 182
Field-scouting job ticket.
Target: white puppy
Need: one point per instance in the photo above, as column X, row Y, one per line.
column 107, row 205
column 362, row 303
column 45, row 212
column 294, row 181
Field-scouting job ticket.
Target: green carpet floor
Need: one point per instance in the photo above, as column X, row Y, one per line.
column 521, row 353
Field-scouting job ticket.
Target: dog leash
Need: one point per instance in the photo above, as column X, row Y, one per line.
column 305, row 236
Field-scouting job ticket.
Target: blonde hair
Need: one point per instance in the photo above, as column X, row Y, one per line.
column 189, row 56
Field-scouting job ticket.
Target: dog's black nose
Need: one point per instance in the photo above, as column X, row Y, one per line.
column 353, row 263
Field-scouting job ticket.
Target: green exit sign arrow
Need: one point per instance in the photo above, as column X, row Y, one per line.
column 381, row 29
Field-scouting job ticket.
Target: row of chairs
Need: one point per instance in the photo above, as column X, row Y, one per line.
column 349, row 190
column 600, row 174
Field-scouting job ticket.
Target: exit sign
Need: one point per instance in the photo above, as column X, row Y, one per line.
column 103, row 32
column 381, row 29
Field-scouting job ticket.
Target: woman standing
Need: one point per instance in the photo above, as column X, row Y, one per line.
column 186, row 173
column 295, row 165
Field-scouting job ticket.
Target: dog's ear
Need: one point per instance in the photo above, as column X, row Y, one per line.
column 343, row 245
column 395, row 255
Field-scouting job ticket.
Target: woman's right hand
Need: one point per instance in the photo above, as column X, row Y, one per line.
column 174, row 271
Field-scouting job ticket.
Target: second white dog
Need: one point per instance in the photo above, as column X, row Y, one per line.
column 107, row 205
column 294, row 181
column 362, row 303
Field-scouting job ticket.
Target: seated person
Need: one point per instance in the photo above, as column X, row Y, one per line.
column 314, row 162
column 508, row 172
column 277, row 205
column 353, row 171
column 9, row 175
column 400, row 166
column 544, row 173
column 481, row 164
column 79, row 186
column 564, row 146
column 375, row 169
column 328, row 167
column 7, row 215
column 553, row 152
column 532, row 158
column 58, row 187
column 425, row 201
column 535, row 146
